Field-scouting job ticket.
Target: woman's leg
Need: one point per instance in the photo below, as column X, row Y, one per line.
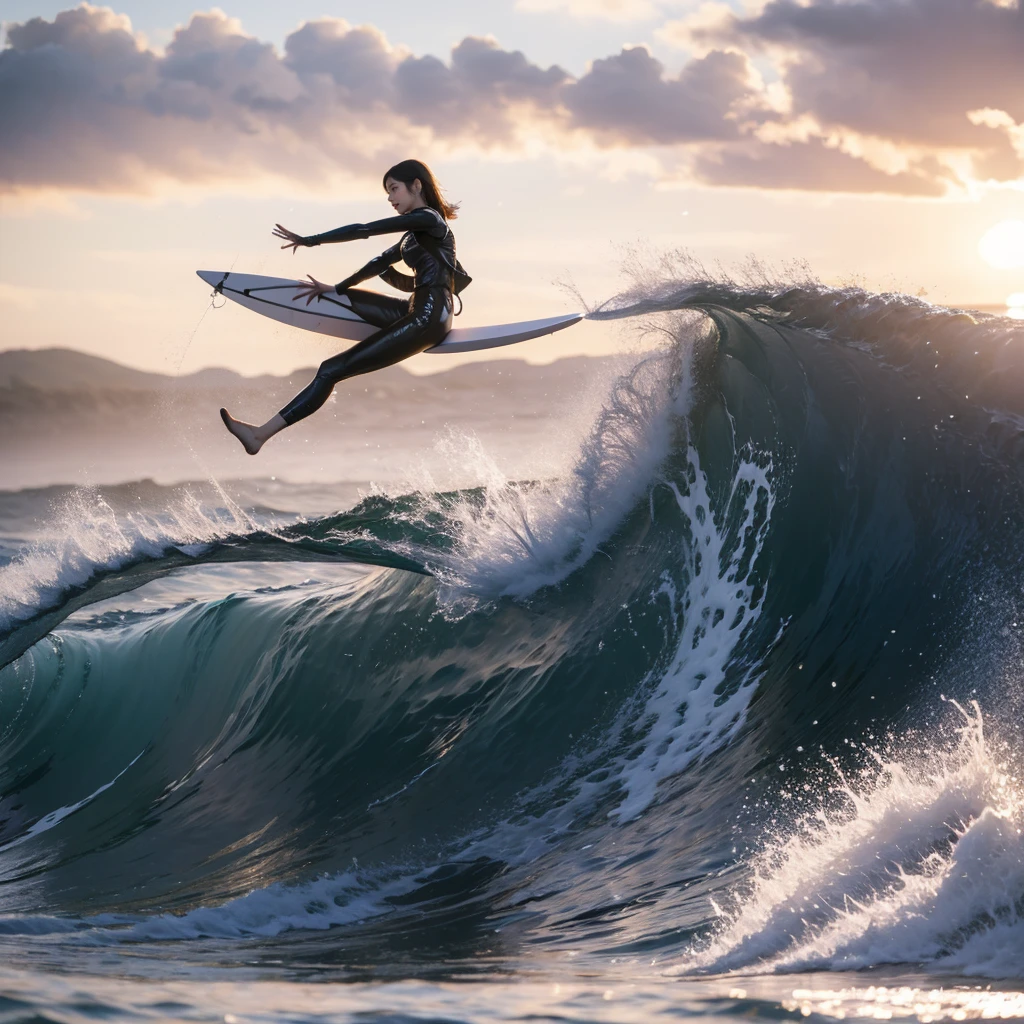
column 407, row 336
column 374, row 308
column 422, row 329
column 379, row 310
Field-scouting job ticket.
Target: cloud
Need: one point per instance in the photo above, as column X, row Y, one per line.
column 909, row 71
column 605, row 10
column 83, row 103
column 358, row 62
column 812, row 166
column 875, row 93
column 479, row 93
column 1001, row 163
column 628, row 98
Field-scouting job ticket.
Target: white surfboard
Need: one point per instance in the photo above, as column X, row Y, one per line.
column 275, row 297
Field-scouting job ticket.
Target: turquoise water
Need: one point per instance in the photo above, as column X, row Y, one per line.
column 719, row 720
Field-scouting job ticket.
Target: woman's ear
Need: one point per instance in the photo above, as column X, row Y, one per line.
column 417, row 186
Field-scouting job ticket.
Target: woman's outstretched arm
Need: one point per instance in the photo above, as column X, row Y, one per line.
column 424, row 219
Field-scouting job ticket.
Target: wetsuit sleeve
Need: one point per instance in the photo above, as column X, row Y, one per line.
column 395, row 278
column 423, row 219
column 379, row 266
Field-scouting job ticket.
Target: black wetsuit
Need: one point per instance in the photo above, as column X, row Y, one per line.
column 407, row 326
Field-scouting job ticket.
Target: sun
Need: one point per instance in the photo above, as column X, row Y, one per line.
column 1002, row 246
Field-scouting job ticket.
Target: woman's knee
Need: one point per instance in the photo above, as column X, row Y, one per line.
column 330, row 371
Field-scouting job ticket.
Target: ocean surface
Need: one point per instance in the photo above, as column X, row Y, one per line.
column 714, row 712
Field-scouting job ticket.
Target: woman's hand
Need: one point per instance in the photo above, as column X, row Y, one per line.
column 313, row 290
column 292, row 240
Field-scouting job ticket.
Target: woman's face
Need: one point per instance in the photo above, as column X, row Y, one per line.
column 404, row 198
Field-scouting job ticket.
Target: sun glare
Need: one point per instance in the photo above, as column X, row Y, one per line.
column 1002, row 246
column 1015, row 305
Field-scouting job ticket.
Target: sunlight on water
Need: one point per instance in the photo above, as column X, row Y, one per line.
column 907, row 1003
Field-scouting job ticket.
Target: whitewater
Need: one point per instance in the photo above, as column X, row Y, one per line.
column 720, row 717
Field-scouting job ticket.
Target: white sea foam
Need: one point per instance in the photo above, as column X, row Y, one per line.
column 325, row 902
column 349, row 897
column 714, row 613
column 523, row 536
column 681, row 717
column 86, row 535
column 923, row 862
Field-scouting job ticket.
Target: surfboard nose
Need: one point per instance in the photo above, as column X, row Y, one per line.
column 211, row 277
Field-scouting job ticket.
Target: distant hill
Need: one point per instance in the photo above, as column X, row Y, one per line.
column 61, row 370
column 67, row 417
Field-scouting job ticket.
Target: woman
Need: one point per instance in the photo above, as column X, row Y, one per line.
column 407, row 326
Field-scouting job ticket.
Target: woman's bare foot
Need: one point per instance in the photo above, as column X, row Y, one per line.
column 245, row 432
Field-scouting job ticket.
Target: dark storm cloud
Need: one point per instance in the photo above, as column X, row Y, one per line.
column 908, row 71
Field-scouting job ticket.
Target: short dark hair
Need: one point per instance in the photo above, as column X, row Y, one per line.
column 407, row 171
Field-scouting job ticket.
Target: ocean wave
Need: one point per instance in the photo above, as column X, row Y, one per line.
column 916, row 858
column 591, row 701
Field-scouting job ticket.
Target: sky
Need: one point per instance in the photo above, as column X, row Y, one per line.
column 870, row 142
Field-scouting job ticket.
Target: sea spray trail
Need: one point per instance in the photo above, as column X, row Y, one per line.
column 787, row 533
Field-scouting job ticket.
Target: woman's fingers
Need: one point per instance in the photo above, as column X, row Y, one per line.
column 292, row 240
column 310, row 291
column 316, row 288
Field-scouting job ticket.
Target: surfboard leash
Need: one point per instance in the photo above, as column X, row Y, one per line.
column 218, row 289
